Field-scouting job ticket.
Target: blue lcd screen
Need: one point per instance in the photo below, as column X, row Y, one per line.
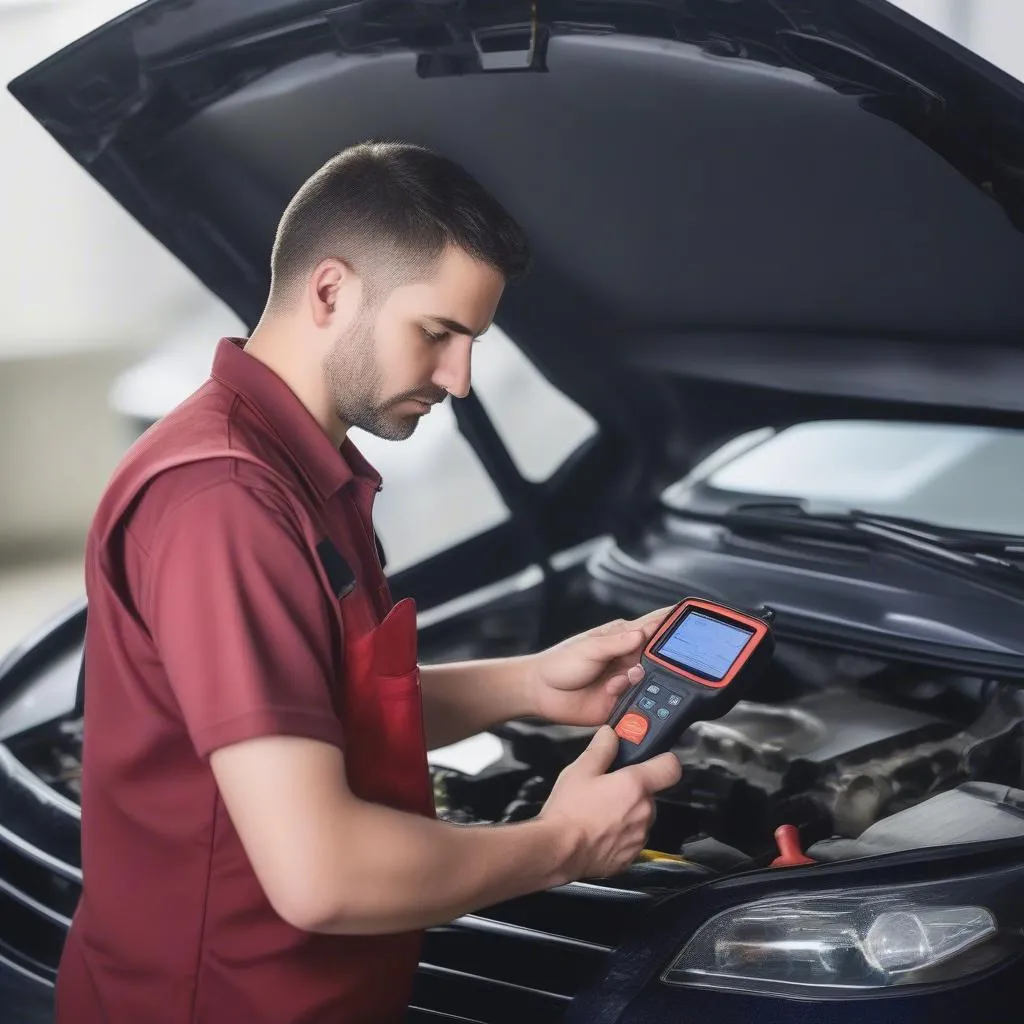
column 704, row 645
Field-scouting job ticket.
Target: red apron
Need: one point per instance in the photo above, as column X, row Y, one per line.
column 354, row 979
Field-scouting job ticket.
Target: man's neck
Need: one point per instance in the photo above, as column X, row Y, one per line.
column 281, row 353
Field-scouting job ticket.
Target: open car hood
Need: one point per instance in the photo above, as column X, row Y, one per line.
column 815, row 205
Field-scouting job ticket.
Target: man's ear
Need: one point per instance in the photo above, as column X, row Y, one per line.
column 334, row 293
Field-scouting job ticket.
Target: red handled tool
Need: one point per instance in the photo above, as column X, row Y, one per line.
column 790, row 853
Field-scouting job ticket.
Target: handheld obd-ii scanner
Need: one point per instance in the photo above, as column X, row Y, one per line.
column 701, row 660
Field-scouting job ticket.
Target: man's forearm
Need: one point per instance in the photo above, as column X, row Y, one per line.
column 417, row 872
column 462, row 699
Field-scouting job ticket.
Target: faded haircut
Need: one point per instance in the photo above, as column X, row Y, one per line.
column 389, row 210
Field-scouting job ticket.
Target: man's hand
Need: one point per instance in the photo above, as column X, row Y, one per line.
column 610, row 815
column 578, row 681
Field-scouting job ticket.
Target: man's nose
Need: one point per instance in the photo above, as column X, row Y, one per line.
column 454, row 369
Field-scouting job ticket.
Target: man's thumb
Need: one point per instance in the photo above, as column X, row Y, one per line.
column 660, row 772
column 600, row 752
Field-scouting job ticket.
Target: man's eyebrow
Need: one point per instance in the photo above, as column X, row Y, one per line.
column 456, row 328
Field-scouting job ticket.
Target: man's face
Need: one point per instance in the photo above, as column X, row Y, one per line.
column 413, row 348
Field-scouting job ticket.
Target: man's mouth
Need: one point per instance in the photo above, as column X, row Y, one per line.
column 425, row 402
column 420, row 406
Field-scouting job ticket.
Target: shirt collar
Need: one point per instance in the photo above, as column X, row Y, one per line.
column 327, row 468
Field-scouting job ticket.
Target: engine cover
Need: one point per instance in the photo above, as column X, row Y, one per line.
column 833, row 762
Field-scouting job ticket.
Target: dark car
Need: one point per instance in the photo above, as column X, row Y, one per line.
column 779, row 259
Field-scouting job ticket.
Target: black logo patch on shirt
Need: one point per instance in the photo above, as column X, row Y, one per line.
column 339, row 572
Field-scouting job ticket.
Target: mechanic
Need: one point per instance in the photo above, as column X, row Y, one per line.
column 259, row 841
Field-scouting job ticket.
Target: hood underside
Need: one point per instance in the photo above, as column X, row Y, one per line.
column 811, row 199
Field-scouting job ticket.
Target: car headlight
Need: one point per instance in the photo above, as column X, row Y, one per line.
column 826, row 945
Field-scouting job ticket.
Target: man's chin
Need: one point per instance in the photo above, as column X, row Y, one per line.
column 405, row 428
column 394, row 428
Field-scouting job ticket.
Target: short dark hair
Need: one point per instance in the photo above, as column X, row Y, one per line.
column 390, row 210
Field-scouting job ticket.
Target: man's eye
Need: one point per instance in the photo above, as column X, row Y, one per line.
column 432, row 336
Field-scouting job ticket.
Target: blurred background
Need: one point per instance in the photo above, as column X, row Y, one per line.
column 102, row 331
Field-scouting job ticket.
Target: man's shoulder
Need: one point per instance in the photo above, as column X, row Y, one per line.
column 199, row 459
column 215, row 490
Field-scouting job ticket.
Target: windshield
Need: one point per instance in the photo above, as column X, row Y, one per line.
column 953, row 476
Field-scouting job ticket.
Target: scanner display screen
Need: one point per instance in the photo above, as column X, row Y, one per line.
column 704, row 645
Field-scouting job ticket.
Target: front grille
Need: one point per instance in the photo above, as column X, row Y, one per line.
column 29, row 871
column 522, row 960
column 29, row 938
column 39, row 888
column 22, row 999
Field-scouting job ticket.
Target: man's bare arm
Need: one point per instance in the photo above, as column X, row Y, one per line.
column 329, row 862
column 467, row 697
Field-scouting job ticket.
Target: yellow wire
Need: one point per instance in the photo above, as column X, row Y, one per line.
column 649, row 855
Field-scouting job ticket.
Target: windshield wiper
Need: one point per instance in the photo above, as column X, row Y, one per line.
column 970, row 551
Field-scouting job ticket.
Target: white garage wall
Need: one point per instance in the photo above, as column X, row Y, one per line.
column 947, row 16
column 80, row 273
column 85, row 291
column 992, row 28
column 996, row 31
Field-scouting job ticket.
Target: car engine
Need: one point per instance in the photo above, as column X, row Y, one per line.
column 834, row 744
column 832, row 758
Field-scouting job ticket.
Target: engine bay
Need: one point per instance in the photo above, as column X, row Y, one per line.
column 842, row 747
column 833, row 744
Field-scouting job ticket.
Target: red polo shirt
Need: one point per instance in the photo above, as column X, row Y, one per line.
column 214, row 629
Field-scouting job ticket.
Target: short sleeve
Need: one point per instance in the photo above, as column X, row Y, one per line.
column 240, row 621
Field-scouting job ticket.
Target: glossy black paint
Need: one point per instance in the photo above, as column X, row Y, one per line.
column 159, row 64
column 163, row 107
column 691, row 271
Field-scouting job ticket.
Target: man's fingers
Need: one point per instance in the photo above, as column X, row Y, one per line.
column 649, row 623
column 611, row 628
column 597, row 758
column 645, row 625
column 660, row 772
column 618, row 645
column 626, row 640
column 640, row 630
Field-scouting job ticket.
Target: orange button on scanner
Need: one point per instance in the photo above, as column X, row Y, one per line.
column 632, row 727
